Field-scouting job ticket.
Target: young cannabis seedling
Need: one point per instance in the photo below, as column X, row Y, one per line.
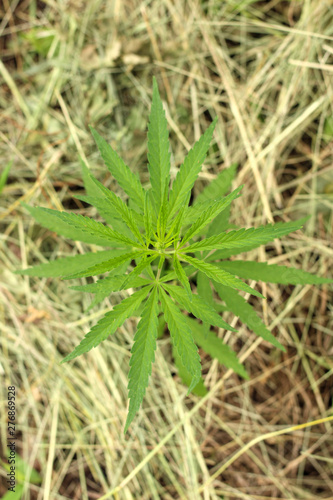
column 165, row 242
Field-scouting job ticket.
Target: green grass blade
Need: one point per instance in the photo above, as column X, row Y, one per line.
column 23, row 472
column 143, row 355
column 126, row 179
column 4, row 175
column 158, row 149
column 182, row 338
column 17, row 494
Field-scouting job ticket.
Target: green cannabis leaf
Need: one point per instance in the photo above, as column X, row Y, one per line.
column 163, row 242
column 143, row 355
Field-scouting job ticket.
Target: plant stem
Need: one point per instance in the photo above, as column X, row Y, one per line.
column 160, row 267
column 158, row 274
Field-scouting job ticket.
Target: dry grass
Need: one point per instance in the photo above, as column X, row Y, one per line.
column 265, row 69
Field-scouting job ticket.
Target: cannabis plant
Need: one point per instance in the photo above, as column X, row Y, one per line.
column 176, row 253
